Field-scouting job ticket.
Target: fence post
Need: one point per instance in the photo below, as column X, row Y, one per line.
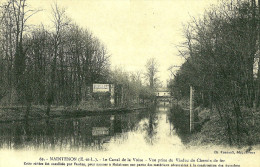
column 191, row 109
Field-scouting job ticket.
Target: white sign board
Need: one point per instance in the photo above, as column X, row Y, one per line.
column 100, row 131
column 100, row 87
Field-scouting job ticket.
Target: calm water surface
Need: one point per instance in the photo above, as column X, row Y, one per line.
column 161, row 125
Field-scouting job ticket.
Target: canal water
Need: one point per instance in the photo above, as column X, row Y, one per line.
column 157, row 127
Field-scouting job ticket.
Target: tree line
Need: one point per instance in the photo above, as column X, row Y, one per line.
column 47, row 66
column 221, row 52
column 130, row 89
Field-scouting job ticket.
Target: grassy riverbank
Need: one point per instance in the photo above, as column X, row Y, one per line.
column 212, row 130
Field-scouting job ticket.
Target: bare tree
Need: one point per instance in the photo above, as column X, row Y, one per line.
column 15, row 14
column 43, row 66
column 221, row 48
column 151, row 72
column 61, row 22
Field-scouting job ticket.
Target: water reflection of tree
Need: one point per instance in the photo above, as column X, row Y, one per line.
column 17, row 138
column 22, row 134
column 179, row 118
column 49, row 131
column 27, row 131
column 71, row 133
column 150, row 126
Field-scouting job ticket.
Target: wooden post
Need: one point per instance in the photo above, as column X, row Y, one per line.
column 112, row 94
column 191, row 109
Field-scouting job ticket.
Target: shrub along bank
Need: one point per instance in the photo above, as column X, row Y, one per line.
column 212, row 130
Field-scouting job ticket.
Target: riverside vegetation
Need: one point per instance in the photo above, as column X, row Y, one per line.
column 46, row 69
column 222, row 58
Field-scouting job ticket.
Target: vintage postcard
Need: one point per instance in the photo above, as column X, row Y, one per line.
column 129, row 83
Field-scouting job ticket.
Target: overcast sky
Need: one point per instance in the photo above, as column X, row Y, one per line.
column 132, row 30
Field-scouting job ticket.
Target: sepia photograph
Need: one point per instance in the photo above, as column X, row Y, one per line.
column 130, row 83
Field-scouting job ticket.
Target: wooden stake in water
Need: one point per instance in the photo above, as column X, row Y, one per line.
column 191, row 109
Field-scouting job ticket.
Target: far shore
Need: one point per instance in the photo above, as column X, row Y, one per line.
column 17, row 113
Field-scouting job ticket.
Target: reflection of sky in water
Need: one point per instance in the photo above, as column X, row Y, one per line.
column 136, row 130
column 142, row 134
column 154, row 133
